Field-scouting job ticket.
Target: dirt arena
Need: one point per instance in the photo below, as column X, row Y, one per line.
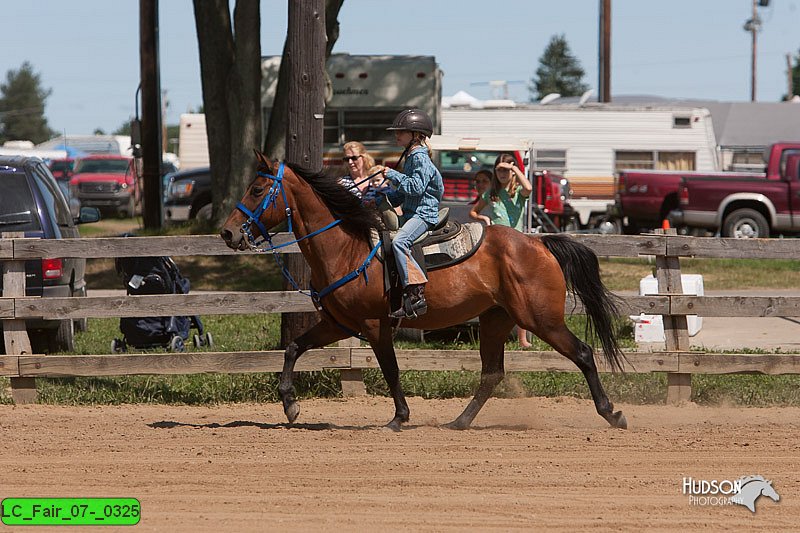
column 529, row 463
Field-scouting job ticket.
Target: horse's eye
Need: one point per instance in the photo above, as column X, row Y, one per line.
column 257, row 190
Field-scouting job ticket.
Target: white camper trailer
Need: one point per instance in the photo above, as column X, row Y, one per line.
column 588, row 144
column 192, row 141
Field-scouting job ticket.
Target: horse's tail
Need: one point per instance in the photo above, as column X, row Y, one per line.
column 582, row 274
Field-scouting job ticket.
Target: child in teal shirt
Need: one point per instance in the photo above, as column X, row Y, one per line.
column 506, row 197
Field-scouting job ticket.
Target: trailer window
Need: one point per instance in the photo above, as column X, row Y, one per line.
column 552, row 160
column 633, row 160
column 367, row 126
column 676, row 161
column 654, row 160
column 747, row 161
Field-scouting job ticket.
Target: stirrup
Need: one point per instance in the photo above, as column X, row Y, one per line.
column 409, row 309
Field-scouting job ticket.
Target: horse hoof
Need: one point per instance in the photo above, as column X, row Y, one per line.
column 618, row 420
column 455, row 424
column 394, row 425
column 292, row 411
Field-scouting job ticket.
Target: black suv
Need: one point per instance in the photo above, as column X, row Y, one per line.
column 32, row 202
column 188, row 195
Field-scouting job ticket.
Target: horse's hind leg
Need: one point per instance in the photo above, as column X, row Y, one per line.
column 568, row 345
column 495, row 327
column 319, row 335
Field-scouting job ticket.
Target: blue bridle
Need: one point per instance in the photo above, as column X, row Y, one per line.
column 254, row 217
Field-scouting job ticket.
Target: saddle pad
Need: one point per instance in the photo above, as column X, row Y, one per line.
column 460, row 244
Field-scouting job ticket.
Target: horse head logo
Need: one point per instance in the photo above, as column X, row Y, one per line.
column 752, row 488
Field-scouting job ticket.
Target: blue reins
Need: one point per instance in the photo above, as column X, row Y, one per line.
column 253, row 217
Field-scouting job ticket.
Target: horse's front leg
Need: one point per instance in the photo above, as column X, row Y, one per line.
column 318, row 336
column 379, row 334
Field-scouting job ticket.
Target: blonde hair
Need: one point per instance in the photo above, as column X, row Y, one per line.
column 359, row 149
column 422, row 139
column 511, row 187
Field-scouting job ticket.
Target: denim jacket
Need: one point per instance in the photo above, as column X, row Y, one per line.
column 419, row 188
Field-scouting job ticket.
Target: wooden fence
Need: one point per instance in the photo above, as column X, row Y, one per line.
column 676, row 360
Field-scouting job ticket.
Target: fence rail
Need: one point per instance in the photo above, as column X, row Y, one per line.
column 679, row 363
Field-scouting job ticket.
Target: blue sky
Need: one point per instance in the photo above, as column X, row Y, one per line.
column 87, row 51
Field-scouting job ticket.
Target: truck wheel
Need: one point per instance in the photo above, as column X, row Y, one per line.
column 745, row 224
column 204, row 213
column 63, row 338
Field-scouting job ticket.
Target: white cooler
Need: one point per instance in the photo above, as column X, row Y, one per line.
column 650, row 328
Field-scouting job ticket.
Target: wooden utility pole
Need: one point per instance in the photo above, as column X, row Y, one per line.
column 151, row 114
column 305, row 44
column 306, row 54
column 789, row 80
column 755, row 23
column 604, row 81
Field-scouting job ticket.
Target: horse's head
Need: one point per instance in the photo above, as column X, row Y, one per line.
column 769, row 491
column 262, row 207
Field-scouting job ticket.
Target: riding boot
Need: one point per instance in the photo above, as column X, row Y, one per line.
column 414, row 303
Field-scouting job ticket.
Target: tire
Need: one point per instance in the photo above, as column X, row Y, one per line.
column 177, row 344
column 209, row 340
column 63, row 338
column 118, row 346
column 204, row 213
column 410, row 334
column 745, row 224
column 197, row 341
column 81, row 324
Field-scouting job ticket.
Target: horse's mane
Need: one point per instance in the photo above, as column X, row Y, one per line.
column 745, row 480
column 357, row 219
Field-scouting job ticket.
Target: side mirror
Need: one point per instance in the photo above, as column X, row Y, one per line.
column 88, row 215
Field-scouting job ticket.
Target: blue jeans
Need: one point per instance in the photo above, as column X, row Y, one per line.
column 410, row 272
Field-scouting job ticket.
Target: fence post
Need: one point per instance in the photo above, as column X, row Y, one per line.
column 15, row 335
column 676, row 333
column 352, row 378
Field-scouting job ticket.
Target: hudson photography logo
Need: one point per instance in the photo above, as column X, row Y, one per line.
column 743, row 491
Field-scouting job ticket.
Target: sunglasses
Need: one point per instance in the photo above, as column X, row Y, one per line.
column 349, row 158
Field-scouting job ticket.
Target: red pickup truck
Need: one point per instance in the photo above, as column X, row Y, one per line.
column 754, row 206
column 645, row 198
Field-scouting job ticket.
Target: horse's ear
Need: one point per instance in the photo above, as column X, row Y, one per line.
column 263, row 161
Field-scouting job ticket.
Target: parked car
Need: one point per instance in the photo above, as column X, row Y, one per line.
column 188, row 195
column 646, row 197
column 107, row 182
column 753, row 206
column 31, row 202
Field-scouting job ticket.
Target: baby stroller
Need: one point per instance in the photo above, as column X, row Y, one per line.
column 156, row 275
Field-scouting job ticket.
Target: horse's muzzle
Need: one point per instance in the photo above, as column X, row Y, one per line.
column 236, row 242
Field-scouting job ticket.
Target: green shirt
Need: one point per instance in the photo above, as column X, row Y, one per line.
column 506, row 211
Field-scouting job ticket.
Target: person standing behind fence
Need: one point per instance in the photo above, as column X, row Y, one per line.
column 506, row 196
column 357, row 160
column 480, row 182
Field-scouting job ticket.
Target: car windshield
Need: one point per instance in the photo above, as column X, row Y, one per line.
column 60, row 166
column 96, row 166
column 17, row 207
column 471, row 161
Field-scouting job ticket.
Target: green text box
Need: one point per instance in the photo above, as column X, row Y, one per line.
column 71, row 511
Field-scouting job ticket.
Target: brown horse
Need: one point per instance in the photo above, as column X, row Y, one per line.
column 511, row 279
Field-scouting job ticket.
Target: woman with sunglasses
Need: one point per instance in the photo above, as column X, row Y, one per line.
column 357, row 162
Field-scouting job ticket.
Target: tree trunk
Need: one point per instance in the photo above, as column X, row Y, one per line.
column 275, row 139
column 230, row 70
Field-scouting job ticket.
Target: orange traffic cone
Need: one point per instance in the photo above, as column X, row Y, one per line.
column 665, row 224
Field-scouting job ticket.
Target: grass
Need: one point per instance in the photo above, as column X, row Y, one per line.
column 262, row 332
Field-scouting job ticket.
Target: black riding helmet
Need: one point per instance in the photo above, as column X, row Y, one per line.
column 413, row 120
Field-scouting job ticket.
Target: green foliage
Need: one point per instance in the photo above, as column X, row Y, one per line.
column 559, row 71
column 22, row 102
